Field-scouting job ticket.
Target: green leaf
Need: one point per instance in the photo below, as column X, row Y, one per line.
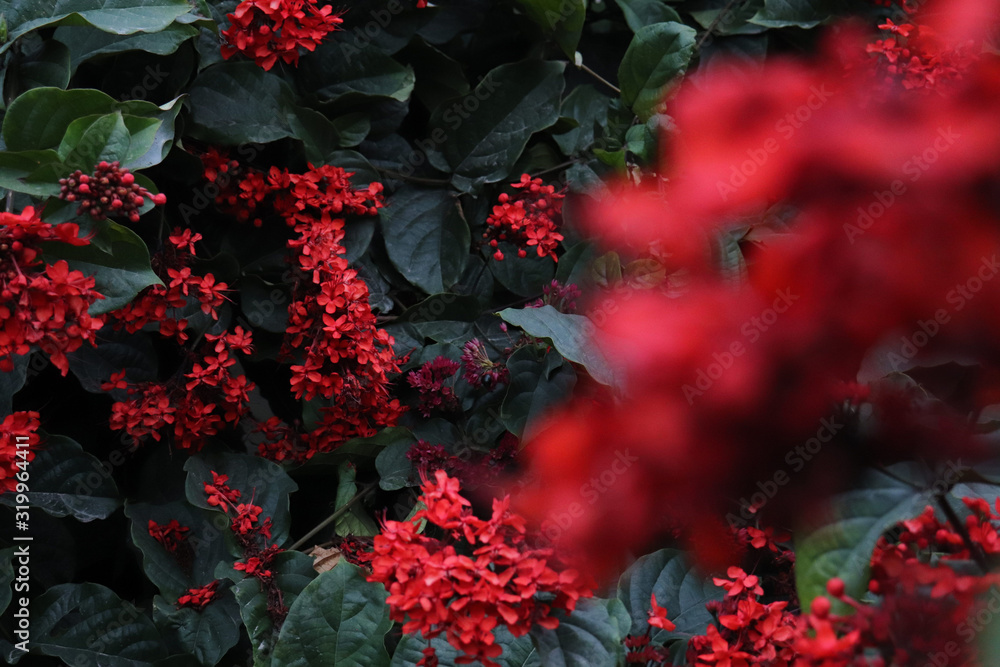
column 589, row 637
column 321, row 136
column 120, row 17
column 85, row 43
column 658, row 54
column 238, row 102
column 89, row 624
column 394, row 469
column 67, row 481
column 563, row 19
column 44, row 118
column 198, row 556
column 534, row 388
column 115, row 351
column 482, row 135
column 589, row 108
column 678, row 587
column 265, row 482
column 293, row 571
column 570, row 334
column 524, row 276
column 795, row 13
column 90, row 139
column 265, row 304
column 426, row 237
column 327, row 74
column 338, row 619
column 46, row 67
column 640, row 13
column 207, row 634
column 16, row 169
column 840, row 543
column 119, row 274
column 355, row 521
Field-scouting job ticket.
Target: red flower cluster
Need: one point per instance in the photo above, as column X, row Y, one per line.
column 42, row 304
column 331, row 329
column 252, row 535
column 915, row 58
column 267, row 30
column 109, row 191
column 480, row 370
column 435, row 589
column 18, row 441
column 192, row 410
column 728, row 382
column 429, row 380
column 180, row 285
column 528, row 218
column 561, row 297
column 198, row 598
column 486, row 468
column 170, row 535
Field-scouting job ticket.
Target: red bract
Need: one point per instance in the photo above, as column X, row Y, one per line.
column 109, row 191
column 528, row 218
column 192, row 406
column 44, row 305
column 893, row 242
column 170, row 535
column 18, row 442
column 267, row 30
column 480, row 370
column 481, row 575
column 198, row 598
column 429, row 381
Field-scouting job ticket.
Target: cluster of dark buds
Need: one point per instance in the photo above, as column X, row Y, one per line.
column 109, row 191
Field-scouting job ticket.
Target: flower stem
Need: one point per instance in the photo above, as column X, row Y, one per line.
column 333, row 517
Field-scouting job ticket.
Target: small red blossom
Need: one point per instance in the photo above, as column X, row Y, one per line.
column 199, row 598
column 528, row 218
column 658, row 616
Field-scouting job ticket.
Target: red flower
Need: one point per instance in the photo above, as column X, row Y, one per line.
column 18, row 441
column 198, row 598
column 170, row 535
column 435, row 589
column 528, row 219
column 267, row 30
column 219, row 494
column 658, row 616
column 429, row 381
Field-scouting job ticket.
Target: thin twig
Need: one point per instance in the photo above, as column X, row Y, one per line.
column 600, row 78
column 714, row 24
column 333, row 517
column 558, row 167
